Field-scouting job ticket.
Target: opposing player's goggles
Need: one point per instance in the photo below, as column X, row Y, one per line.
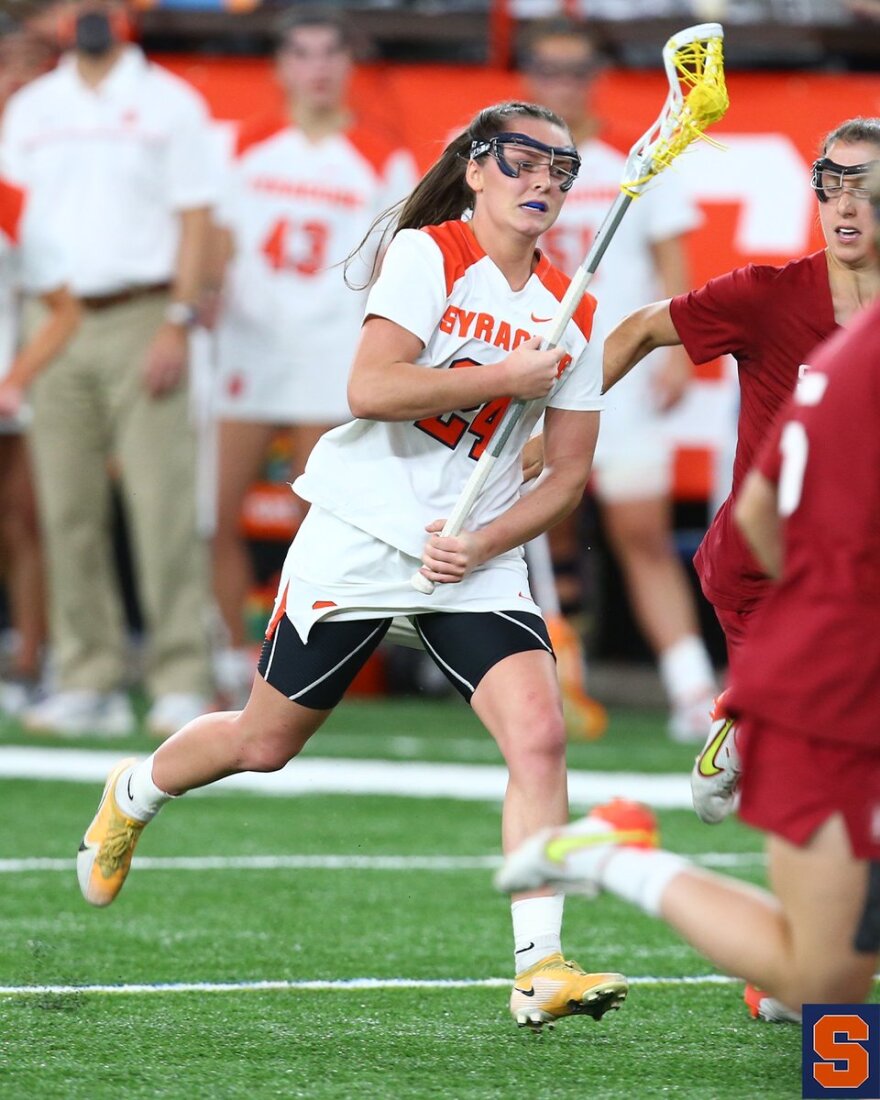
column 828, row 179
column 518, row 153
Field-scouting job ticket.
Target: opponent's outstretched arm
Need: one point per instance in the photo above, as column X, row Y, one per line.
column 635, row 337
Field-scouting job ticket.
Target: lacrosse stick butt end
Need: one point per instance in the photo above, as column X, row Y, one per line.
column 421, row 584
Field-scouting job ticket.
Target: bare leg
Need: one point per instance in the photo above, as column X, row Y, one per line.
column 303, row 438
column 21, row 540
column 797, row 944
column 241, row 449
column 566, row 551
column 639, row 532
column 269, row 732
column 518, row 702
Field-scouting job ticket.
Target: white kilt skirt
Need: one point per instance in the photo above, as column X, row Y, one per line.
column 334, row 570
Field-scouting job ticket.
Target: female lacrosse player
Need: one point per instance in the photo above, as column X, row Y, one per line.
column 452, row 333
column 804, row 688
column 769, row 319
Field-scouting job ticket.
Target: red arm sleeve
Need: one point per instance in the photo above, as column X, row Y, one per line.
column 717, row 318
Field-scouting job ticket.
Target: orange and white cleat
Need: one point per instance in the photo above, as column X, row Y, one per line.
column 104, row 857
column 763, row 1007
column 570, row 858
column 716, row 771
column 585, row 718
column 555, row 987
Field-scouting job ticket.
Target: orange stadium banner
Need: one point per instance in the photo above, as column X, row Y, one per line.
column 754, row 193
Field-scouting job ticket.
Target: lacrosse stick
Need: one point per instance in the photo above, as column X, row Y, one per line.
column 697, row 97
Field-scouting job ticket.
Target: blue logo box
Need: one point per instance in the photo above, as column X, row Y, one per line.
column 841, row 1051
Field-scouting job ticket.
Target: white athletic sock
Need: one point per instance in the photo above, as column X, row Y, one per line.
column 686, row 670
column 136, row 793
column 641, row 875
column 537, row 929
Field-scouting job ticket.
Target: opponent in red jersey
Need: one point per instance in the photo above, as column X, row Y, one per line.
column 769, row 319
column 804, row 691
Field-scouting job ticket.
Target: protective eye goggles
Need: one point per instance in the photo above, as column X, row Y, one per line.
column 828, row 179
column 517, row 153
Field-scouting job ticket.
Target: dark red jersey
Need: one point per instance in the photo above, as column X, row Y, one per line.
column 811, row 662
column 768, row 319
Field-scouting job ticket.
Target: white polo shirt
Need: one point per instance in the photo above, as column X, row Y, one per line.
column 107, row 168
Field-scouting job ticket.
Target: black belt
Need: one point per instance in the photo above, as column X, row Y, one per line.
column 105, row 301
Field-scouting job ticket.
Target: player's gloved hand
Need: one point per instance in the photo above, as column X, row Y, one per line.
column 529, row 373
column 448, row 559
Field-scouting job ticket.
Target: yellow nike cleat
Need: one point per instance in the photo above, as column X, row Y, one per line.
column 716, row 771
column 104, row 856
column 555, row 987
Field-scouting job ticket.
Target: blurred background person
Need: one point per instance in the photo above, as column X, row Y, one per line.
column 23, row 56
column 304, row 188
column 112, row 151
column 633, row 467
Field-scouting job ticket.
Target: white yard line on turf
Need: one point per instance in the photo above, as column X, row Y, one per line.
column 331, row 863
column 405, row 779
column 345, row 983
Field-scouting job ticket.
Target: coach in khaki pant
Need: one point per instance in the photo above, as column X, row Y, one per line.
column 113, row 151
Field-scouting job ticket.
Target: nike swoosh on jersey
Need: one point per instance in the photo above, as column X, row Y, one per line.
column 540, row 320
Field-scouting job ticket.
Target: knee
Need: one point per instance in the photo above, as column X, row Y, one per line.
column 538, row 745
column 264, row 749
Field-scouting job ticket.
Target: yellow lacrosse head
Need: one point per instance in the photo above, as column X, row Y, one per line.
column 694, row 63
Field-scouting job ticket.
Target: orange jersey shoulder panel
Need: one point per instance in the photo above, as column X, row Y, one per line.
column 12, row 201
column 459, row 247
column 558, row 283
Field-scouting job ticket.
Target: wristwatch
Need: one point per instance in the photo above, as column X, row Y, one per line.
column 181, row 313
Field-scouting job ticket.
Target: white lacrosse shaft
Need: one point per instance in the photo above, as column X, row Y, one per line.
column 640, row 168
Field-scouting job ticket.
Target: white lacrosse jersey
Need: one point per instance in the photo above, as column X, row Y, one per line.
column 625, row 279
column 390, row 479
column 296, row 209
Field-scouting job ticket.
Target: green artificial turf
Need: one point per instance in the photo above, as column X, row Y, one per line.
column 235, row 926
